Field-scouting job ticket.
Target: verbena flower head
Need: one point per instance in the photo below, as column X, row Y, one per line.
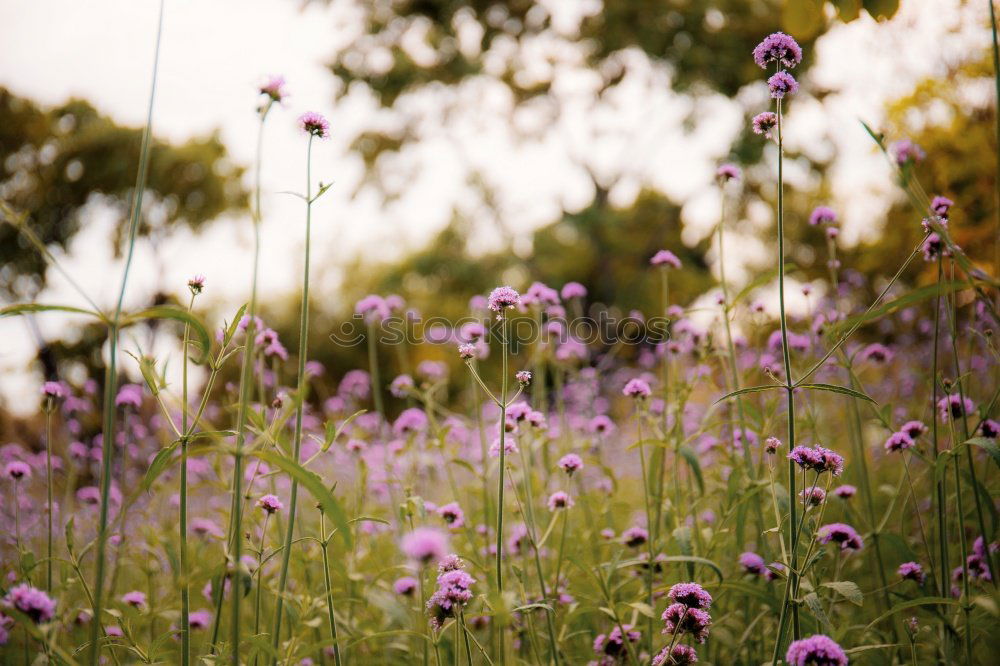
column 933, row 247
column 373, row 308
column 845, row 491
column 17, row 470
column 32, row 602
column 764, row 122
column 466, row 351
column 411, row 420
column 523, row 377
column 818, row 650
column 727, row 172
column 822, row 215
column 425, row 545
column 877, row 353
column 129, row 395
column 53, row 390
column 196, row 284
column 954, row 406
column 405, row 586
column 782, row 84
column 912, row 571
column 906, row 152
column 540, row 294
column 941, row 205
column 899, row 441
column 573, row 290
column 752, row 563
column 613, row 645
column 270, row 503
column 570, row 463
column 401, row 386
column 813, row 496
column 681, row 619
column 691, row 595
column 503, row 298
column 637, row 388
column 666, row 259
column 452, row 514
column 200, row 619
column 777, row 47
column 314, row 124
column 817, row 459
column 559, row 500
column 840, row 533
column 274, row 88
column 678, row 655
column 772, row 444
column 134, row 598
column 989, row 429
column 635, row 536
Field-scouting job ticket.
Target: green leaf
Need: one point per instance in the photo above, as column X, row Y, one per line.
column 333, row 433
column 904, row 301
column 988, row 445
column 694, row 560
column 177, row 314
column 692, row 460
column 914, row 603
column 160, row 463
column 314, row 484
column 843, row 390
column 816, row 608
column 751, row 389
column 28, row 308
column 848, row 590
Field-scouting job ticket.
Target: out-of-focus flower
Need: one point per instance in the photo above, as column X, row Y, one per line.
column 842, row 534
column 815, row 651
column 425, row 545
column 666, row 259
column 270, row 503
column 559, row 500
column 32, row 602
column 822, row 215
column 764, row 123
column 315, row 124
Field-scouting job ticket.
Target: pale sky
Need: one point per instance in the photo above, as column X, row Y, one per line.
column 216, row 53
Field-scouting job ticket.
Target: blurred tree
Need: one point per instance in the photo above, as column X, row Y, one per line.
column 54, row 162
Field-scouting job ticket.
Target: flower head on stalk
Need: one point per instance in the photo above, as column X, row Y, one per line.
column 822, row 215
column 637, row 388
column 681, row 619
column 425, row 545
column 274, row 88
column 454, row 591
column 782, row 84
column 560, row 500
column 727, row 172
column 678, row 655
column 32, row 602
column 777, row 47
column 691, row 595
column 954, row 406
column 17, row 470
column 906, row 152
column 502, row 299
column 613, row 645
column 842, row 534
column 666, row 259
column 570, row 463
column 763, row 123
column 196, row 284
column 270, row 504
column 315, row 124
column 818, row 650
column 523, row 377
column 752, row 563
column 899, row 441
column 912, row 571
column 572, row 290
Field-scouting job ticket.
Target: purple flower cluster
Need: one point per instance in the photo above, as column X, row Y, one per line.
column 666, row 259
column 503, row 298
column 32, row 602
column 782, row 84
column 612, row 644
column 780, row 48
column 314, row 124
column 453, row 593
column 425, row 545
column 842, row 534
column 912, row 571
column 817, row 650
column 818, row 459
column 678, row 655
column 688, row 614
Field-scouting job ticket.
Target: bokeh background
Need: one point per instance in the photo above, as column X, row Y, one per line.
column 473, row 143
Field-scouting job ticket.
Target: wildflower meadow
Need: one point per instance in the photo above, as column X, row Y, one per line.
column 762, row 472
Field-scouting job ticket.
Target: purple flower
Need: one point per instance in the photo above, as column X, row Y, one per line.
column 32, row 602
column 635, row 536
column 782, row 84
column 906, row 152
column 274, row 88
column 314, row 124
column 752, row 563
column 613, row 643
column 817, row 650
column 401, row 386
column 466, row 351
column 452, row 514
column 425, row 545
column 990, row 429
column 813, row 496
column 17, row 470
column 955, row 407
column 206, row 527
column 540, row 294
column 877, row 353
column 941, row 205
column 681, row 619
column 777, row 47
column 134, row 598
column 665, row 258
column 129, row 395
column 899, row 441
column 691, row 595
column 845, row 491
column 764, row 122
column 523, row 377
column 373, row 308
column 912, row 571
column 822, row 215
column 914, row 428
column 502, row 298
column 196, row 284
column 933, row 247
column 454, row 591
column 679, row 655
column 570, row 463
column 199, row 619
column 637, row 388
column 410, row 421
column 559, row 500
column 405, row 586
column 573, row 290
column 53, row 390
column 772, row 444
column 840, row 533
column 270, row 503
column 727, row 172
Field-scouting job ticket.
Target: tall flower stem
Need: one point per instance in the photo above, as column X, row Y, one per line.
column 183, row 509
column 791, row 583
column 649, row 541
column 500, row 475
column 373, row 368
column 48, row 490
column 300, row 402
column 331, row 617
column 665, row 385
column 111, row 373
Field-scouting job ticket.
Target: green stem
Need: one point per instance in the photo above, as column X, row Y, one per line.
column 331, row 617
column 183, row 510
column 374, row 369
column 111, row 374
column 500, row 475
column 300, row 402
column 48, row 490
